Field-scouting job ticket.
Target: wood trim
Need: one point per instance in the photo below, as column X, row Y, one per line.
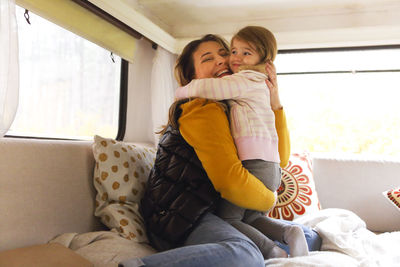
column 107, row 17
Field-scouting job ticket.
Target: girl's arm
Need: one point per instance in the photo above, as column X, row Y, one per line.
column 206, row 128
column 228, row 87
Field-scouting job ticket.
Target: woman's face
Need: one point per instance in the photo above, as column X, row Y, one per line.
column 211, row 61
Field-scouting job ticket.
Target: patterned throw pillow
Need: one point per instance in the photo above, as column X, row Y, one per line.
column 120, row 177
column 296, row 195
column 393, row 195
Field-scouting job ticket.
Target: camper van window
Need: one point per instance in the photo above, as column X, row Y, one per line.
column 69, row 87
column 342, row 100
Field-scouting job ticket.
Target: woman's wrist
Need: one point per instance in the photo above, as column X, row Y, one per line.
column 277, row 107
column 276, row 103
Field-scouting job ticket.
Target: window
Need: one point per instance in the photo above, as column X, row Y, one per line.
column 342, row 101
column 69, row 87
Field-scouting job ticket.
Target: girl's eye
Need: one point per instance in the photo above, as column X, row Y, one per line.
column 247, row 53
column 234, row 52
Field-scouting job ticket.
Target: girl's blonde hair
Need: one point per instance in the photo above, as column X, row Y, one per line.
column 261, row 39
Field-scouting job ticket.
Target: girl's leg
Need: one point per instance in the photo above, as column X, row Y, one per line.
column 313, row 239
column 212, row 243
column 267, row 247
column 289, row 234
column 234, row 216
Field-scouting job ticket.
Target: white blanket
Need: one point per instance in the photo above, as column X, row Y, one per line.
column 345, row 242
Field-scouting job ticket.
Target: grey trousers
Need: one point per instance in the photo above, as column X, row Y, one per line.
column 263, row 231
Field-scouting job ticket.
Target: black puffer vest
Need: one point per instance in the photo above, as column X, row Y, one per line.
column 178, row 193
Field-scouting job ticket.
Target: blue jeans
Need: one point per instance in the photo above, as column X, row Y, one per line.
column 216, row 243
column 213, row 242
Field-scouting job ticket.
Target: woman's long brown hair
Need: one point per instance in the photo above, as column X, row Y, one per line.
column 185, row 73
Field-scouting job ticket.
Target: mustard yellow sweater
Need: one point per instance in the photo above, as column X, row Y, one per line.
column 204, row 125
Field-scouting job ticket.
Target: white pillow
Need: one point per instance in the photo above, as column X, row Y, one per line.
column 120, row 176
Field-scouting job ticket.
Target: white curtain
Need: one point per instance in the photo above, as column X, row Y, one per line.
column 163, row 85
column 9, row 71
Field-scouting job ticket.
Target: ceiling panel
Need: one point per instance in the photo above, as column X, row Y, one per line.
column 296, row 23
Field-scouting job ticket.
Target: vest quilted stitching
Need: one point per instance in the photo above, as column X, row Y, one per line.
column 178, row 193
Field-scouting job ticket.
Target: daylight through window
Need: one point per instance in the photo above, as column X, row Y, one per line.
column 342, row 101
column 69, row 87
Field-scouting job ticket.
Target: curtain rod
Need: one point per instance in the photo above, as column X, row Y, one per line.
column 338, row 49
column 114, row 21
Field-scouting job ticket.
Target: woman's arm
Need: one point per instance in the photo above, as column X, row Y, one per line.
column 206, row 128
column 272, row 84
column 228, row 87
column 280, row 117
column 283, row 136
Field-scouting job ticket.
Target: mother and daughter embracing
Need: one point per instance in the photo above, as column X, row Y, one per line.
column 219, row 159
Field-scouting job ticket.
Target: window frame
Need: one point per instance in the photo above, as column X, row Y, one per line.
column 341, row 49
column 123, row 103
column 337, row 49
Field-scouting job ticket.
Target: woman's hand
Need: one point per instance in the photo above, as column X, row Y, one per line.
column 272, row 84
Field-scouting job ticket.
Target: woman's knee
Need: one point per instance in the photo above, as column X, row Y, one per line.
column 226, row 241
column 244, row 253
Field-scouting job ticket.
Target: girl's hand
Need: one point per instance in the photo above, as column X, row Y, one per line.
column 272, row 84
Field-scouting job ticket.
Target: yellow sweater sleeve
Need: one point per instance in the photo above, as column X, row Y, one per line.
column 283, row 137
column 204, row 125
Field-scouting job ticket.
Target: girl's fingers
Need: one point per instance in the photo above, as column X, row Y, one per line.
column 272, row 78
column 270, row 68
column 270, row 85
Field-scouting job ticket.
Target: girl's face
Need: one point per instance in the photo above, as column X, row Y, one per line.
column 242, row 53
column 211, row 61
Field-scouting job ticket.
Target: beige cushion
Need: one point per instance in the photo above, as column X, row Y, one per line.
column 46, row 255
column 120, row 177
column 356, row 183
column 46, row 188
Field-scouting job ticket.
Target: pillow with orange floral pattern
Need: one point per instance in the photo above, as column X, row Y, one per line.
column 296, row 195
column 393, row 195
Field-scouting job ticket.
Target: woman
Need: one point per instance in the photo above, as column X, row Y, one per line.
column 178, row 207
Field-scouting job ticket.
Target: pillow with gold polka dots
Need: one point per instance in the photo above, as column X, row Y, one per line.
column 120, row 175
column 296, row 194
column 393, row 195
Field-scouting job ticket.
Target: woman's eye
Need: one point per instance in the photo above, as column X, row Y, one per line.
column 206, row 59
column 247, row 53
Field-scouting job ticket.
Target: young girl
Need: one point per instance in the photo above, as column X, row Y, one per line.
column 253, row 129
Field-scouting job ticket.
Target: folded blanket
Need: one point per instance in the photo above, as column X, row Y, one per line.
column 104, row 248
